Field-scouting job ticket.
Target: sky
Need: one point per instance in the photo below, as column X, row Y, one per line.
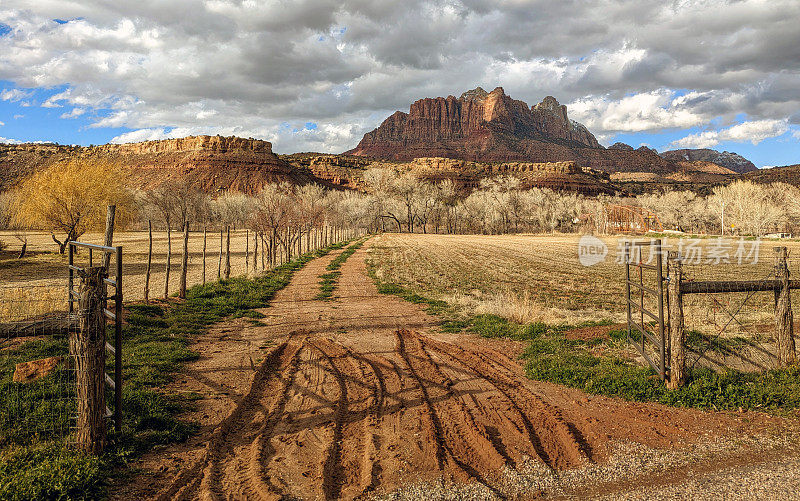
column 315, row 75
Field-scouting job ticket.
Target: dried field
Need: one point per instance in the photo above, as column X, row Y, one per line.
column 539, row 277
column 44, row 266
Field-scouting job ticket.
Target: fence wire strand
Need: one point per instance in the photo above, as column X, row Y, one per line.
column 733, row 330
column 37, row 379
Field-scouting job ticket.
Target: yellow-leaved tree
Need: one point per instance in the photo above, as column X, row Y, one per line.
column 70, row 198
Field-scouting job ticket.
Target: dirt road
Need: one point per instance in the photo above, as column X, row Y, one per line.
column 362, row 395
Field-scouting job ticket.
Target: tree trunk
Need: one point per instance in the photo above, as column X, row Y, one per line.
column 88, row 348
column 677, row 372
column 247, row 252
column 169, row 258
column 784, row 321
column 149, row 260
column 227, row 252
column 204, row 254
column 184, row 260
column 23, row 250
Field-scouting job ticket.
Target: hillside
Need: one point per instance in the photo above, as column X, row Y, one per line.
column 727, row 159
column 215, row 164
column 212, row 163
column 789, row 174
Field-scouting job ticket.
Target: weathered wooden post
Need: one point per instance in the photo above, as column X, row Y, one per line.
column 255, row 251
column 677, row 371
column 227, row 252
column 184, row 261
column 149, row 261
column 204, row 253
column 89, row 349
column 219, row 263
column 784, row 321
column 111, row 212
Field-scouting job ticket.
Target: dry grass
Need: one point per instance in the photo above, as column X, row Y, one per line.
column 539, row 278
column 44, row 266
column 19, row 303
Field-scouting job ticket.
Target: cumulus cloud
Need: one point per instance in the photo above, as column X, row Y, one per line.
column 74, row 113
column 14, row 95
column 5, row 140
column 753, row 131
column 2, row 124
column 646, row 111
column 250, row 67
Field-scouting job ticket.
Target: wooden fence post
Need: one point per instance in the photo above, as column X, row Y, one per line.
column 108, row 241
column 149, row 260
column 89, row 348
column 677, row 371
column 205, row 241
column 227, row 252
column 784, row 328
column 184, row 261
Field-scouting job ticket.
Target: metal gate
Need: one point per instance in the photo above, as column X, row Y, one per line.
column 644, row 293
column 115, row 316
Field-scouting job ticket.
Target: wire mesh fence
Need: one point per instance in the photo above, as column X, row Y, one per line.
column 37, row 379
column 733, row 330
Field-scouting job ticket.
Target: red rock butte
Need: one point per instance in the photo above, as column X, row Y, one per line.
column 485, row 126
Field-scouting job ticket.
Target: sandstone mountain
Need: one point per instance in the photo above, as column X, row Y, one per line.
column 727, row 159
column 212, row 163
column 485, row 126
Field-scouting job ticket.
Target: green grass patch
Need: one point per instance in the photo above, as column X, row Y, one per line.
column 329, row 280
column 155, row 346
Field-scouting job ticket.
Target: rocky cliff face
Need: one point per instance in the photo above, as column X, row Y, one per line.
column 727, row 159
column 470, row 127
column 208, row 144
column 492, row 127
column 211, row 163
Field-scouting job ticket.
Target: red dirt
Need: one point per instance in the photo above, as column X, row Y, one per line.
column 363, row 394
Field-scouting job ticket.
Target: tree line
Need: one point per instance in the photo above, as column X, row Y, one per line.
column 69, row 199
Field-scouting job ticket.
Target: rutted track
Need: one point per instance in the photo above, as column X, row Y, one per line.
column 358, row 397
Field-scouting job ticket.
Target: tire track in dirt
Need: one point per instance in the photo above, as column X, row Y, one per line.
column 367, row 398
column 462, row 446
column 202, row 478
column 554, row 439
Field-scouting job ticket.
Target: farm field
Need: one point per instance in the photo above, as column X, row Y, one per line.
column 537, row 277
column 44, row 266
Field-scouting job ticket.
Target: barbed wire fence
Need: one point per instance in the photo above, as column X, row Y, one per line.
column 729, row 328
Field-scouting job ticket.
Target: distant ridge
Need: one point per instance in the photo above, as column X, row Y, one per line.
column 729, row 160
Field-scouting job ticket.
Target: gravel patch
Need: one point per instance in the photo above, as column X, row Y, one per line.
column 635, row 472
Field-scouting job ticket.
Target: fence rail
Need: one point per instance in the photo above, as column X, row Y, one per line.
column 727, row 324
